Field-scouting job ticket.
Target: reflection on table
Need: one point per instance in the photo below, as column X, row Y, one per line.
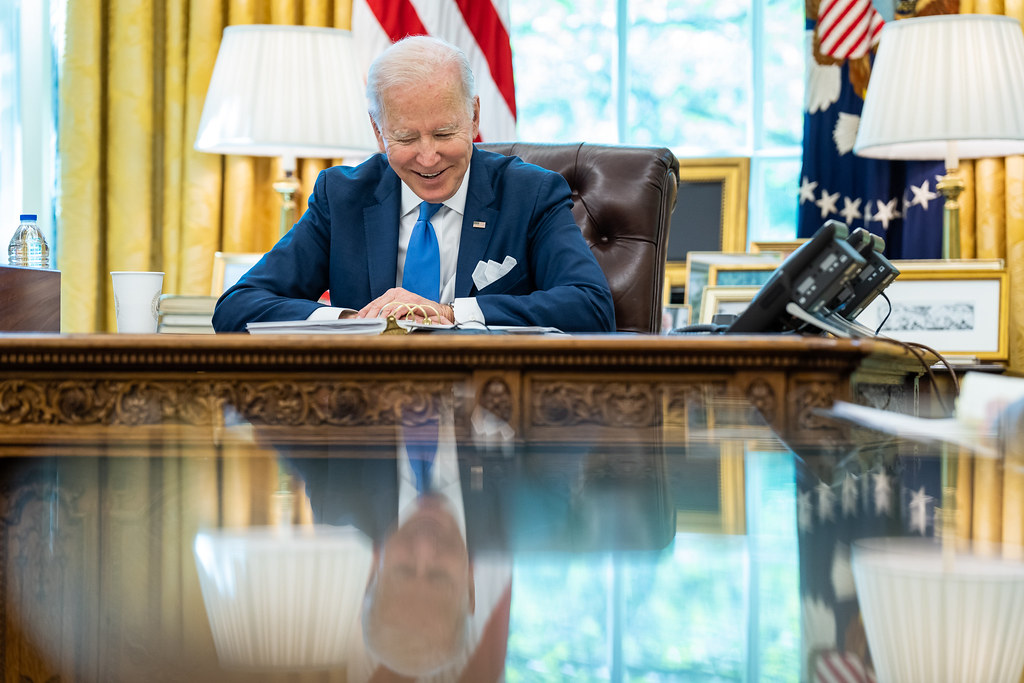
column 699, row 547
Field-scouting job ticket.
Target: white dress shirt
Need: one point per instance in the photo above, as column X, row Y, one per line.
column 447, row 224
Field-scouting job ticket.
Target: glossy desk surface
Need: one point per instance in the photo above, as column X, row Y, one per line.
column 234, row 509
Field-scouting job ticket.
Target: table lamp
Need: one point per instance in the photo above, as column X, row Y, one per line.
column 946, row 87
column 287, row 91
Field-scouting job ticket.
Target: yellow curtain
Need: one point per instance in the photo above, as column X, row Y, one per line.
column 134, row 194
column 992, row 215
column 991, row 494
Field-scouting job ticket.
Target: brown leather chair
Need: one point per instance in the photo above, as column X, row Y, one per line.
column 622, row 200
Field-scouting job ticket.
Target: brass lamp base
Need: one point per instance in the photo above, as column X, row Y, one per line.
column 287, row 187
column 951, row 185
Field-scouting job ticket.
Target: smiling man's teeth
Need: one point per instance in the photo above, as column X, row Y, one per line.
column 430, row 175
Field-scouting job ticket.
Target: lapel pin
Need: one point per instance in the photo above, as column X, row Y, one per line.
column 479, row 224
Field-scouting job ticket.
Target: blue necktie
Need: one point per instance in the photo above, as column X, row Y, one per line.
column 422, row 273
column 421, row 458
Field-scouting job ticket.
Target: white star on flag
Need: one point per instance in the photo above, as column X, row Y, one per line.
column 803, row 511
column 807, row 190
column 886, row 212
column 849, row 496
column 922, row 195
column 851, row 210
column 919, row 511
column 826, row 502
column 827, row 203
column 883, row 491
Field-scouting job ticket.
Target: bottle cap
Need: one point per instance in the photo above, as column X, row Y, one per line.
column 27, row 217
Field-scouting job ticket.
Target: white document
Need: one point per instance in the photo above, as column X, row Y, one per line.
column 974, row 423
column 488, row 272
column 332, row 326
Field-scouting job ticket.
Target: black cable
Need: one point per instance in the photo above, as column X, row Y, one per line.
column 886, row 318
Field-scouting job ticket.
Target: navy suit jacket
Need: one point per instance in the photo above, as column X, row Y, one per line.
column 347, row 241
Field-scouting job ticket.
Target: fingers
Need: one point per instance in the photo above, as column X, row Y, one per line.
column 402, row 303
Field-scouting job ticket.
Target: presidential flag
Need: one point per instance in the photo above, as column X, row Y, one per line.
column 478, row 27
column 894, row 199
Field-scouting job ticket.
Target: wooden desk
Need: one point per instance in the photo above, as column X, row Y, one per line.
column 620, row 442
column 55, row 387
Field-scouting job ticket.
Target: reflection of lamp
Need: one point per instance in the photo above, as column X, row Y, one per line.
column 928, row 622
column 946, row 87
column 287, row 91
column 284, row 598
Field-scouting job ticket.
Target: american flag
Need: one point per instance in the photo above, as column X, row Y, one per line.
column 894, row 199
column 478, row 27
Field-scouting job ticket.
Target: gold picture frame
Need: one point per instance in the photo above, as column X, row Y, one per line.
column 704, row 268
column 732, row 176
column 959, row 307
column 725, row 299
column 228, row 267
column 784, row 247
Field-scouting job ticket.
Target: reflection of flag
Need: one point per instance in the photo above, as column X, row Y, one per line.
column 479, row 27
column 896, row 200
column 842, row 499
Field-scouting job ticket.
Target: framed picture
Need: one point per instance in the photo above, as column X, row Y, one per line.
column 719, row 299
column 228, row 267
column 673, row 316
column 784, row 247
column 710, row 213
column 709, row 489
column 955, row 307
column 734, row 269
column 740, row 275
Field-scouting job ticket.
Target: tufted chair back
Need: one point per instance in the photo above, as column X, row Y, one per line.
column 622, row 200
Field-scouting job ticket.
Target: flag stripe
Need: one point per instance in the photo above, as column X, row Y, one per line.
column 490, row 34
column 398, row 18
column 837, row 37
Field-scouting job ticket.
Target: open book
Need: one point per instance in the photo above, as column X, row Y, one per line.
column 974, row 425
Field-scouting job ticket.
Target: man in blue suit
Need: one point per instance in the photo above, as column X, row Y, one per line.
column 498, row 243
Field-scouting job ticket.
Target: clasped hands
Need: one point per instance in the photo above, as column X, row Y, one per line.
column 402, row 304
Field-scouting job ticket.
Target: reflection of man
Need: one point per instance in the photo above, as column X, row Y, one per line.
column 421, row 592
column 438, row 598
column 466, row 235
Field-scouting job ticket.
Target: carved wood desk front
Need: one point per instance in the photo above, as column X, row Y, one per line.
column 66, row 388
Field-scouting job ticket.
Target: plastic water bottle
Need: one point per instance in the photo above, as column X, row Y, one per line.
column 28, row 246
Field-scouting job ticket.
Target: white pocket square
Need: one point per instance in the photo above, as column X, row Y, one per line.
column 489, row 272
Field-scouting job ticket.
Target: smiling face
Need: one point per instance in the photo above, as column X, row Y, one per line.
column 427, row 133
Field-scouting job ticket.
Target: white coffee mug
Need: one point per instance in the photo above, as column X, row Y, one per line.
column 136, row 298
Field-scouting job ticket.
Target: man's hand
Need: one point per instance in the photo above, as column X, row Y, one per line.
column 401, row 302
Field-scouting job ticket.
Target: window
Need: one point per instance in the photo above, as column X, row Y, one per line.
column 703, row 78
column 28, row 92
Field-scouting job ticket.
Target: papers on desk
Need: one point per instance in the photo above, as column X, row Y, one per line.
column 377, row 325
column 341, row 326
column 974, row 425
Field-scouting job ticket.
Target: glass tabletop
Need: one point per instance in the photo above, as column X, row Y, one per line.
column 706, row 551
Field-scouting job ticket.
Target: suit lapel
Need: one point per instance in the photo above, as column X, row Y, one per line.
column 380, row 223
column 479, row 210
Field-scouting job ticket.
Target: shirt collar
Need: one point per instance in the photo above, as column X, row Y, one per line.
column 457, row 202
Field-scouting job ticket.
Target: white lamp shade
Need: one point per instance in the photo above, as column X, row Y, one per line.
column 933, row 624
column 286, row 91
column 950, row 78
column 284, row 598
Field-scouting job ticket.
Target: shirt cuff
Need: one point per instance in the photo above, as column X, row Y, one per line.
column 467, row 310
column 325, row 313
